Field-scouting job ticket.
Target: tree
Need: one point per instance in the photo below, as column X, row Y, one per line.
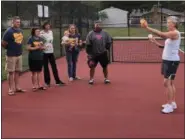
column 102, row 15
column 147, row 5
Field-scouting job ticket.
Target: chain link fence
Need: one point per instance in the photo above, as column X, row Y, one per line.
column 61, row 14
column 128, row 24
column 82, row 14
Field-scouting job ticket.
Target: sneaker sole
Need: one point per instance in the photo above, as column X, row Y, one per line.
column 91, row 83
column 166, row 113
column 173, row 107
column 60, row 84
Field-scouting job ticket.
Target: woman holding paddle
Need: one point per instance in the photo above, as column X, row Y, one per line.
column 170, row 58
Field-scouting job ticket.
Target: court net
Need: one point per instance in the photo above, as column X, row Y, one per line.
column 139, row 50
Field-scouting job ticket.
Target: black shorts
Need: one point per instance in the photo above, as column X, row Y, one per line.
column 102, row 59
column 35, row 65
column 169, row 69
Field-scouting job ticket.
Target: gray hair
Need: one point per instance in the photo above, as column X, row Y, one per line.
column 174, row 19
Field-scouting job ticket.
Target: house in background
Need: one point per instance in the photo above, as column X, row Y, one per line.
column 115, row 17
column 135, row 16
column 156, row 15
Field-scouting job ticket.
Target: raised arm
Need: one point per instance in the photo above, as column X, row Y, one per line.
column 170, row 34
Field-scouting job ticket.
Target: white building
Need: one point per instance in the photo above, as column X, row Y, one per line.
column 115, row 17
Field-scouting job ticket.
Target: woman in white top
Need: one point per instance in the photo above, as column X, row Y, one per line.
column 170, row 57
column 49, row 57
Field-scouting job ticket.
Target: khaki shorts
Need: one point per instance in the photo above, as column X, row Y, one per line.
column 13, row 63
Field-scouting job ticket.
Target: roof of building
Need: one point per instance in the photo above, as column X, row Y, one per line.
column 163, row 10
column 112, row 8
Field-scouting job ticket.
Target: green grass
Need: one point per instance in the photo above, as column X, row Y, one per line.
column 137, row 32
column 134, row 31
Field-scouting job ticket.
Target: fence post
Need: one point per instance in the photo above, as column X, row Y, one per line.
column 128, row 23
column 43, row 12
column 111, row 52
column 161, row 18
column 71, row 18
column 87, row 18
column 17, row 8
column 184, row 30
column 60, row 30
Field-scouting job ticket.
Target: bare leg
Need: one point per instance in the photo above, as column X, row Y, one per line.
column 34, row 79
column 39, row 81
column 10, row 77
column 38, row 78
column 92, row 71
column 105, row 72
column 16, row 79
column 168, row 84
column 166, row 95
column 174, row 91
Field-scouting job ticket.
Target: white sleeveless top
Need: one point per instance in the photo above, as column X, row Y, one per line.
column 171, row 49
column 48, row 40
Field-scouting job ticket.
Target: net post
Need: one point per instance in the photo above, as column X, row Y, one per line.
column 161, row 17
column 109, row 54
column 60, row 29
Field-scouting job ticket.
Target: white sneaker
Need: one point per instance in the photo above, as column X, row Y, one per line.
column 106, row 81
column 167, row 109
column 70, row 79
column 91, row 81
column 164, row 105
column 173, row 104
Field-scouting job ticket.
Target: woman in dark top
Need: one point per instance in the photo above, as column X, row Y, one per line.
column 72, row 51
column 35, row 58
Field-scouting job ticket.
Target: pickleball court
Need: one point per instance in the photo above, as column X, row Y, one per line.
column 127, row 108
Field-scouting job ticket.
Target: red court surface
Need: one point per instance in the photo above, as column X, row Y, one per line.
column 128, row 108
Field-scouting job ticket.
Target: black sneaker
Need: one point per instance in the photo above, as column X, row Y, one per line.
column 107, row 81
column 60, row 83
column 91, row 81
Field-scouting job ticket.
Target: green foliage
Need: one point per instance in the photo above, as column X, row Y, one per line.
column 147, row 5
column 102, row 15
